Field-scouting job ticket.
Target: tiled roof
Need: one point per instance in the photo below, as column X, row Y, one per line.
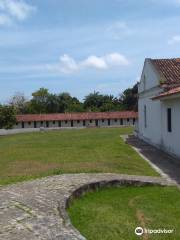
column 168, row 93
column 76, row 116
column 169, row 69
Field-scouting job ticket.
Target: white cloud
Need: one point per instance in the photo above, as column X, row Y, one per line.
column 174, row 39
column 119, row 29
column 5, row 20
column 116, row 59
column 68, row 64
column 14, row 10
column 94, row 62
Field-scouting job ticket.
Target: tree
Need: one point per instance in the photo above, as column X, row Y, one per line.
column 75, row 107
column 52, row 104
column 67, row 103
column 39, row 101
column 129, row 98
column 99, row 102
column 7, row 116
column 19, row 101
column 93, row 101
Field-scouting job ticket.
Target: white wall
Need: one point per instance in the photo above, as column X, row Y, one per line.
column 152, row 132
column 17, row 126
column 152, row 77
column 171, row 140
column 88, row 123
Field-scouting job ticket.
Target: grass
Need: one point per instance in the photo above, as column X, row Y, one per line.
column 114, row 213
column 32, row 155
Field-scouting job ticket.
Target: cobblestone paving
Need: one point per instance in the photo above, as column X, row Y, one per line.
column 29, row 210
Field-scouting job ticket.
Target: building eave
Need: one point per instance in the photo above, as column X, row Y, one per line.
column 171, row 94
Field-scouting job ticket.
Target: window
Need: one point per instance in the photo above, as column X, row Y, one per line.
column 84, row 123
column 102, row 120
column 145, row 117
column 66, row 121
column 134, row 120
column 127, row 119
column 41, row 123
column 90, row 121
column 53, row 122
column 121, row 121
column 169, row 120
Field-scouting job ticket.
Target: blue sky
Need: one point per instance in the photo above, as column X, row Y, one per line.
column 80, row 46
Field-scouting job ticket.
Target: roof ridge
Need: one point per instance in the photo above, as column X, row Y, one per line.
column 164, row 58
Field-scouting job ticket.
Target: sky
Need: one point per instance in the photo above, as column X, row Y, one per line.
column 81, row 46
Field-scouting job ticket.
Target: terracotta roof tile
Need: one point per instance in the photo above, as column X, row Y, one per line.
column 76, row 116
column 168, row 93
column 169, row 69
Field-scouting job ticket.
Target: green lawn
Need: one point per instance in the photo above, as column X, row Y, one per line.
column 31, row 155
column 114, row 213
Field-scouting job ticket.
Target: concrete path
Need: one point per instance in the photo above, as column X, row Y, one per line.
column 168, row 165
column 35, row 210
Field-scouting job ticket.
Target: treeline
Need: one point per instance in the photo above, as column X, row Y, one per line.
column 45, row 102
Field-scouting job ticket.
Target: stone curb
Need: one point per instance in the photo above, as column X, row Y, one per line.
column 122, row 180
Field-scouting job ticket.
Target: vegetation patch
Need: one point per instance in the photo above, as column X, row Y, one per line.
column 114, row 213
column 32, row 155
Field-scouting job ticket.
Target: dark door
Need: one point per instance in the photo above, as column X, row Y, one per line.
column 47, row 124
column 59, row 123
column 35, row 124
column 96, row 123
column 22, row 124
column 72, row 124
column 109, row 123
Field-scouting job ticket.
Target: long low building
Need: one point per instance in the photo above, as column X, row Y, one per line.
column 87, row 119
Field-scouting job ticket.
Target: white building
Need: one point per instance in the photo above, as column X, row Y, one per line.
column 89, row 119
column 159, row 104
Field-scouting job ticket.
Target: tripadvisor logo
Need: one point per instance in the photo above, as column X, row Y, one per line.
column 140, row 231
